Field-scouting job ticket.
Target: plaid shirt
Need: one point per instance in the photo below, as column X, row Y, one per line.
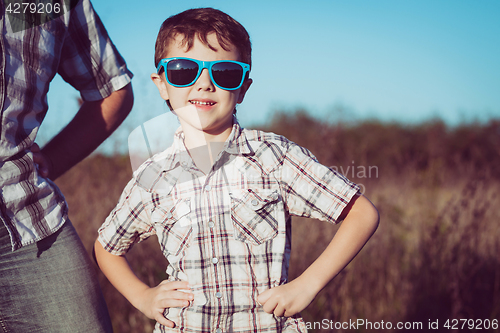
column 76, row 46
column 226, row 233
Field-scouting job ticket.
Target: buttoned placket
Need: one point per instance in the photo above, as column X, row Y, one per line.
column 209, row 184
column 208, row 193
column 216, row 174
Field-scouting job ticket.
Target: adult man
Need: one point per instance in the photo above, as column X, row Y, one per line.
column 47, row 283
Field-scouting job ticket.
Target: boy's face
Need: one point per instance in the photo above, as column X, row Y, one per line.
column 202, row 106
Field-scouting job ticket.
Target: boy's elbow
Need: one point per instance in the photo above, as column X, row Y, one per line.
column 98, row 252
column 95, row 248
column 375, row 218
column 370, row 213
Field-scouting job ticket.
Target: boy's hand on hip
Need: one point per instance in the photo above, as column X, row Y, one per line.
column 288, row 299
column 167, row 294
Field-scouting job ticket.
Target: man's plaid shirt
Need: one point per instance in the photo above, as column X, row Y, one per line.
column 226, row 233
column 76, row 46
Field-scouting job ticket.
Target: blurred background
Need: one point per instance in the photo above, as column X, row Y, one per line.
column 401, row 97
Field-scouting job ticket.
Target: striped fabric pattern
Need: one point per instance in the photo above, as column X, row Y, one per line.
column 228, row 232
column 77, row 47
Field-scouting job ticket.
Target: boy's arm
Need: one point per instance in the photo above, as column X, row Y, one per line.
column 361, row 221
column 150, row 301
column 93, row 123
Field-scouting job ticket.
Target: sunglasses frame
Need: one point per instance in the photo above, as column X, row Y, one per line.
column 202, row 65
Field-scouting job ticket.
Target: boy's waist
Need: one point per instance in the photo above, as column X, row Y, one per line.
column 232, row 318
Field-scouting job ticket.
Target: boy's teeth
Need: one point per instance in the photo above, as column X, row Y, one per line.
column 202, row 103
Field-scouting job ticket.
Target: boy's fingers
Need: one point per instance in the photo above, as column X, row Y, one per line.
column 279, row 311
column 262, row 298
column 175, row 294
column 175, row 284
column 180, row 295
column 174, row 303
column 269, row 306
column 164, row 321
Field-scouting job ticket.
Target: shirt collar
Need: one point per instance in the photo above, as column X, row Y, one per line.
column 236, row 144
column 162, row 173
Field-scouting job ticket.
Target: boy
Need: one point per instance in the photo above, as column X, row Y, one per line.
column 219, row 198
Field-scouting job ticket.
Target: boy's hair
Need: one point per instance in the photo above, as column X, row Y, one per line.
column 198, row 23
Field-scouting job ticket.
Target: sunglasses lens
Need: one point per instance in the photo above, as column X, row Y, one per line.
column 227, row 74
column 182, row 72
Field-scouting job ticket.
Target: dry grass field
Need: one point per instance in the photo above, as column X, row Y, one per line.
column 434, row 256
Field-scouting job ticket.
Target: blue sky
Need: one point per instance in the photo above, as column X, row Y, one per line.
column 405, row 61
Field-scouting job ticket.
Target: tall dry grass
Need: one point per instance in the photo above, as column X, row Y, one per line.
column 434, row 256
column 92, row 189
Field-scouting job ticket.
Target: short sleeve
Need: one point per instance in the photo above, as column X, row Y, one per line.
column 311, row 189
column 128, row 223
column 89, row 60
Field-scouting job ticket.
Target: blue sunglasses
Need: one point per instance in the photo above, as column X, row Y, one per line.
column 183, row 72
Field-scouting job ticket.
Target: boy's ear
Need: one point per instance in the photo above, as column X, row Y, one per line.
column 161, row 85
column 243, row 90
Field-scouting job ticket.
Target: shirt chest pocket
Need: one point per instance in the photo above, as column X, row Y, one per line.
column 254, row 213
column 173, row 225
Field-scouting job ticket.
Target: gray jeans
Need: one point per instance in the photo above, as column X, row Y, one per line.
column 50, row 286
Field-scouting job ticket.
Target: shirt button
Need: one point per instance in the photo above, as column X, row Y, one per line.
column 254, row 202
column 215, row 260
column 275, row 196
column 169, row 215
column 184, row 163
column 211, row 224
column 218, row 330
column 218, row 295
column 208, row 188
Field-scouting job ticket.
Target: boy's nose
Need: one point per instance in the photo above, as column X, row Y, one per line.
column 204, row 82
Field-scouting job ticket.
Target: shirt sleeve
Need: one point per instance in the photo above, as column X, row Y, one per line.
column 311, row 189
column 128, row 223
column 89, row 60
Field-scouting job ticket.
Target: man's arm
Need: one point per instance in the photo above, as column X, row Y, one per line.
column 361, row 221
column 93, row 123
column 150, row 301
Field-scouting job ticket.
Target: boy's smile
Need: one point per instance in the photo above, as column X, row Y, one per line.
column 202, row 106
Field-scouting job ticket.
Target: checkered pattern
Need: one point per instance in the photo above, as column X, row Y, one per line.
column 76, row 46
column 226, row 233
